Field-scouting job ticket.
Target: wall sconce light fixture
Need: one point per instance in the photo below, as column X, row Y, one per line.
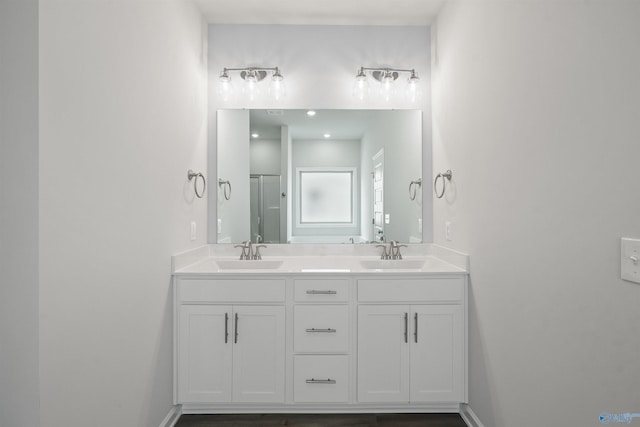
column 387, row 86
column 252, row 76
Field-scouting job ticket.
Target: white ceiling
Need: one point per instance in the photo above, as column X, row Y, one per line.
column 321, row 12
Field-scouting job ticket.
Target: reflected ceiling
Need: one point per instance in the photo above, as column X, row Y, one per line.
column 340, row 124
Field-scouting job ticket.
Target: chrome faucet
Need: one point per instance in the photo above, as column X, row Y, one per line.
column 247, row 251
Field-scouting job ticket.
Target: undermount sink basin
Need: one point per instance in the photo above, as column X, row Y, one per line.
column 392, row 264
column 259, row 264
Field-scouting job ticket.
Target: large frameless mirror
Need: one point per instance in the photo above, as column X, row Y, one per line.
column 323, row 176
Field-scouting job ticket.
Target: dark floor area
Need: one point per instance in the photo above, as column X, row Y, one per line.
column 322, row 420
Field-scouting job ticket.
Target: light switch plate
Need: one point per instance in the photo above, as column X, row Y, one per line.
column 630, row 259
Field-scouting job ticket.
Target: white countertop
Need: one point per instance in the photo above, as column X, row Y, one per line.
column 320, row 259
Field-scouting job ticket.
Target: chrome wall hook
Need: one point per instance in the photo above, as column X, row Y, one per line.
column 195, row 175
column 448, row 174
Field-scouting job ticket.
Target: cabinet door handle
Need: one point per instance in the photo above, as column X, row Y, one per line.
column 415, row 327
column 317, row 292
column 226, row 328
column 406, row 327
column 321, row 330
column 235, row 339
column 315, row 381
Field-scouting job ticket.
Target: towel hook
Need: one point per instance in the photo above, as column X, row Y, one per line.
column 448, row 174
column 413, row 188
column 195, row 175
column 225, row 185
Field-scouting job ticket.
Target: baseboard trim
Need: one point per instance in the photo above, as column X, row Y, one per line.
column 469, row 417
column 172, row 417
column 297, row 408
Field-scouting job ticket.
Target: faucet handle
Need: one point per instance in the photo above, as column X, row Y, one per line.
column 244, row 247
column 398, row 254
column 257, row 254
column 384, row 254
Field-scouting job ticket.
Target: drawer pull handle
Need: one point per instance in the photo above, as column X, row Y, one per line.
column 315, row 381
column 415, row 328
column 316, row 292
column 321, row 330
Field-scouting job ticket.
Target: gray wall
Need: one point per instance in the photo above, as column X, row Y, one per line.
column 265, row 156
column 234, row 214
column 536, row 111
column 19, row 397
column 398, row 132
column 122, row 119
column 319, row 64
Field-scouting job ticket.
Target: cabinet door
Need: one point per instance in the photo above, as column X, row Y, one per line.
column 204, row 354
column 437, row 360
column 258, row 354
column 383, row 353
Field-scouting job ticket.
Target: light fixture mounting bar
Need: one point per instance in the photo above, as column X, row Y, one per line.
column 258, row 72
column 379, row 73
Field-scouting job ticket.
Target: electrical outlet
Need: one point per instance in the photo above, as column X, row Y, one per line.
column 219, row 225
column 419, row 225
column 447, row 231
column 193, row 230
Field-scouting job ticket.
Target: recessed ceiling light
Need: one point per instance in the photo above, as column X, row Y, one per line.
column 254, row 135
column 327, row 135
column 311, row 113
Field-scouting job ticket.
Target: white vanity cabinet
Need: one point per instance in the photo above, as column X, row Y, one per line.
column 412, row 352
column 320, row 342
column 230, row 353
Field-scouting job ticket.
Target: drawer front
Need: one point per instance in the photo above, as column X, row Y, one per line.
column 411, row 290
column 231, row 290
column 317, row 290
column 321, row 328
column 321, row 379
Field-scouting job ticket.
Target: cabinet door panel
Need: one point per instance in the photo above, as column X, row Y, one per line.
column 259, row 354
column 383, row 354
column 437, row 361
column 204, row 359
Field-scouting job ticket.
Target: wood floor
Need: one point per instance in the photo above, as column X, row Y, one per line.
column 324, row 420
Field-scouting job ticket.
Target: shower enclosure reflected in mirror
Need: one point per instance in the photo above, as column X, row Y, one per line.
column 331, row 176
column 264, row 205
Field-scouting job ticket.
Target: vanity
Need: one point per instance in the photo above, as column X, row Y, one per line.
column 320, row 328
